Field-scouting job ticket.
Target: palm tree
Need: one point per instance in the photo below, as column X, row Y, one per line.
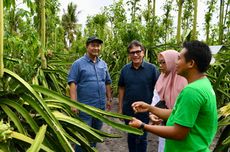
column 69, row 20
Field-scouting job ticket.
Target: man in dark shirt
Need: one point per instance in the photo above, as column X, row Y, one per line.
column 136, row 83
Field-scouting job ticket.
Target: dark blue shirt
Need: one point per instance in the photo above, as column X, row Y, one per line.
column 138, row 83
column 91, row 79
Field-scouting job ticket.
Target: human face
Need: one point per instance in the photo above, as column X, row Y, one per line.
column 182, row 66
column 93, row 49
column 136, row 54
column 162, row 63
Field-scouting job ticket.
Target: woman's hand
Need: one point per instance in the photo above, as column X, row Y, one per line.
column 154, row 120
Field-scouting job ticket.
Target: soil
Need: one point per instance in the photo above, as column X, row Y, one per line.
column 120, row 144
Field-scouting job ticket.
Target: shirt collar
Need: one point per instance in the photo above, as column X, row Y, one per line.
column 141, row 66
column 90, row 60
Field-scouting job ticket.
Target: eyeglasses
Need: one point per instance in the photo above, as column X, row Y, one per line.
column 161, row 62
column 138, row 52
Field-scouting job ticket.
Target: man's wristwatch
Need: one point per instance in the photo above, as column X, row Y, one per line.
column 142, row 126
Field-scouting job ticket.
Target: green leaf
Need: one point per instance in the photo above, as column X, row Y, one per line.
column 224, row 122
column 55, row 82
column 36, row 146
column 223, row 92
column 39, row 105
column 27, row 139
column 83, row 142
column 108, row 113
column 221, row 76
column 14, row 118
column 26, row 115
column 104, row 134
column 23, row 112
column 226, row 141
column 84, row 108
column 77, row 123
column 55, row 71
column 43, row 78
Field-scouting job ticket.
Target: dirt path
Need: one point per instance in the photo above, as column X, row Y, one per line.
column 120, row 144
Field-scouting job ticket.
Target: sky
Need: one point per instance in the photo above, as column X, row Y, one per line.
column 92, row 7
column 86, row 7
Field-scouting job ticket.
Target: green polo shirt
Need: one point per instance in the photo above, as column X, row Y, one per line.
column 196, row 109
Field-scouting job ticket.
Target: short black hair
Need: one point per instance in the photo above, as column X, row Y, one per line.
column 199, row 52
column 135, row 43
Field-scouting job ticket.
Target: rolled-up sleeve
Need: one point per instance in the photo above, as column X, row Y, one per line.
column 73, row 75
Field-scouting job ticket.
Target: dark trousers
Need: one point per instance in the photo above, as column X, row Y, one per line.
column 91, row 121
column 137, row 143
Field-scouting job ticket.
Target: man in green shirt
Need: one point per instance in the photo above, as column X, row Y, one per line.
column 192, row 123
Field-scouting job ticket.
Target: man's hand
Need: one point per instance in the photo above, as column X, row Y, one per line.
column 136, row 123
column 119, row 110
column 140, row 106
column 74, row 110
column 109, row 104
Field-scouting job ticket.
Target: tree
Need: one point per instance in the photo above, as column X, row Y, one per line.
column 178, row 35
column 1, row 39
column 134, row 9
column 167, row 22
column 208, row 17
column 221, row 21
column 69, row 20
column 148, row 10
column 194, row 35
column 96, row 25
column 43, row 34
column 154, row 8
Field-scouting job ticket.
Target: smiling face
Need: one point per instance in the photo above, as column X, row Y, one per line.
column 93, row 49
column 136, row 54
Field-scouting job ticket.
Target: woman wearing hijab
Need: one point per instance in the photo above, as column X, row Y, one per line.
column 168, row 86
